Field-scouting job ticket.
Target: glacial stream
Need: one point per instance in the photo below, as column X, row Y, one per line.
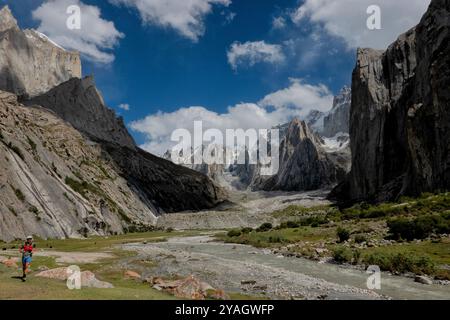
column 228, row 265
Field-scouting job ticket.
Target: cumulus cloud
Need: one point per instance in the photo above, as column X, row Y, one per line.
column 124, row 106
column 250, row 53
column 301, row 96
column 94, row 40
column 337, row 20
column 184, row 16
column 276, row 108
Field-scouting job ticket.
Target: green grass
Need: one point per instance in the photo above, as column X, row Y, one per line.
column 296, row 211
column 49, row 289
column 427, row 203
column 275, row 238
column 108, row 269
column 93, row 244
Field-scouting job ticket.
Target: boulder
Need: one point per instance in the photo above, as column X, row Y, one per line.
column 88, row 278
column 423, row 280
column 188, row 288
column 132, row 274
column 10, row 263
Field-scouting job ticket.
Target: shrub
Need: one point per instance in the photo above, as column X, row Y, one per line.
column 265, row 227
column 234, row 233
column 246, row 230
column 276, row 239
column 289, row 225
column 19, row 195
column 313, row 221
column 359, row 238
column 342, row 255
column 401, row 263
column 343, row 234
column 418, row 228
column 32, row 144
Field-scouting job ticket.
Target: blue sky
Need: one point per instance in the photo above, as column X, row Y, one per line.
column 161, row 69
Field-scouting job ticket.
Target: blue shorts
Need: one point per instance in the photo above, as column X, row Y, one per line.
column 26, row 260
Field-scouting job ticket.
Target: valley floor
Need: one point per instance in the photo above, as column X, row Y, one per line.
column 246, row 264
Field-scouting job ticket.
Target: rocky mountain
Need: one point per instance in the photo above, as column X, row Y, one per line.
column 305, row 163
column 55, row 183
column 70, row 167
column 169, row 187
column 30, row 63
column 337, row 120
column 80, row 103
column 315, row 120
column 400, row 118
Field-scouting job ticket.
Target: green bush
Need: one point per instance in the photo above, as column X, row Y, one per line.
column 289, row 225
column 265, row 227
column 342, row 255
column 359, row 238
column 418, row 228
column 32, row 144
column 246, row 230
column 234, row 233
column 401, row 263
column 343, row 234
column 19, row 195
column 313, row 221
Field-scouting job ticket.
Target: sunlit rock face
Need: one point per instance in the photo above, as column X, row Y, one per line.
column 30, row 63
column 400, row 114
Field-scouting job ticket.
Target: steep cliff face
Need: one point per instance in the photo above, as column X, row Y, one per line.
column 304, row 162
column 31, row 64
column 166, row 186
column 171, row 187
column 400, row 116
column 338, row 119
column 54, row 183
column 80, row 103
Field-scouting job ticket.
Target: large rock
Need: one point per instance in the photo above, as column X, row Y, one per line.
column 161, row 183
column 79, row 102
column 304, row 162
column 30, row 63
column 55, row 183
column 338, row 119
column 87, row 278
column 400, row 116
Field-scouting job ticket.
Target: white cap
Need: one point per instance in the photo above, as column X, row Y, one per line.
column 29, row 238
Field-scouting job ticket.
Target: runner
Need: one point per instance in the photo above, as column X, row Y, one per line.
column 27, row 254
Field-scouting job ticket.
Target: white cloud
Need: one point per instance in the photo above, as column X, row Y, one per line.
column 295, row 101
column 124, row 106
column 94, row 40
column 303, row 97
column 250, row 53
column 278, row 22
column 347, row 19
column 184, row 16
